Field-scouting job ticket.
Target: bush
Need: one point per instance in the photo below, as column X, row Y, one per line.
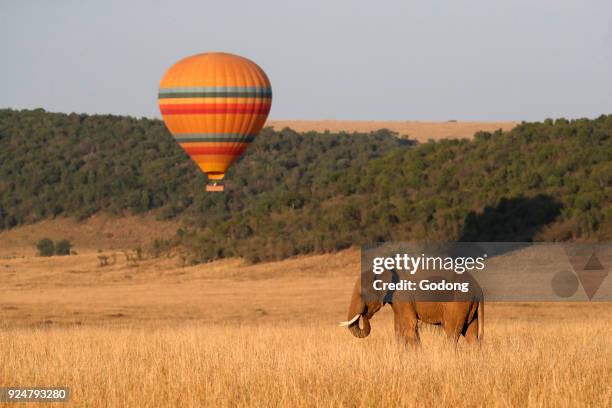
column 45, row 247
column 63, row 247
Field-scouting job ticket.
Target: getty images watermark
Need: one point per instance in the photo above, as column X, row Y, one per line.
column 499, row 271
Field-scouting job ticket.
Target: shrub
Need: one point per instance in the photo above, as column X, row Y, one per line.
column 63, row 247
column 45, row 247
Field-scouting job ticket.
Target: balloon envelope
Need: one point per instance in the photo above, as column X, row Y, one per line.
column 214, row 104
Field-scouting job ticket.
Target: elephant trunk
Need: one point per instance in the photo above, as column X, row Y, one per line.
column 357, row 310
column 358, row 331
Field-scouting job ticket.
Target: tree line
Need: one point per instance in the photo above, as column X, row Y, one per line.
column 296, row 193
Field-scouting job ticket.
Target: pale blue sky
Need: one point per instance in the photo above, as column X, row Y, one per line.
column 340, row 59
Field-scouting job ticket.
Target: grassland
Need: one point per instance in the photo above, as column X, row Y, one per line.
column 155, row 334
column 525, row 362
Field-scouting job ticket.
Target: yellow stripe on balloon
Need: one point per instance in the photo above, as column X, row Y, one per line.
column 214, row 163
column 214, row 158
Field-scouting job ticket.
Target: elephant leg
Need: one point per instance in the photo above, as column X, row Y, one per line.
column 406, row 328
column 471, row 333
column 453, row 330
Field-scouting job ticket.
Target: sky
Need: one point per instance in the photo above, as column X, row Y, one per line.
column 326, row 59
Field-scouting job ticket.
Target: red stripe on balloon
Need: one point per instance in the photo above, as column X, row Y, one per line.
column 213, row 108
column 215, row 150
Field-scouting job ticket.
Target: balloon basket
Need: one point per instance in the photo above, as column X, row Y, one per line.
column 212, row 188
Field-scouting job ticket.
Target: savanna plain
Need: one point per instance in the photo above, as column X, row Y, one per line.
column 154, row 332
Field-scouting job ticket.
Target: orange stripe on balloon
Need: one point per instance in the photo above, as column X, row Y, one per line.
column 191, row 123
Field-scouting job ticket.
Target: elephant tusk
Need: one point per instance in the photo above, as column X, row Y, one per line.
column 348, row 323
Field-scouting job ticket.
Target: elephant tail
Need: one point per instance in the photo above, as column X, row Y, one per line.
column 480, row 320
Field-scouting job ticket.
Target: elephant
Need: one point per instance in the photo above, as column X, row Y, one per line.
column 465, row 317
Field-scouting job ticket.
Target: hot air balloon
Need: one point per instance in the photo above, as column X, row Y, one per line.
column 215, row 104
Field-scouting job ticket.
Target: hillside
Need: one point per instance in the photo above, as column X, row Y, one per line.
column 99, row 232
column 301, row 193
column 415, row 130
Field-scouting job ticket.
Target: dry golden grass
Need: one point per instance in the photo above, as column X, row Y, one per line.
column 420, row 131
column 74, row 290
column 522, row 363
column 229, row 334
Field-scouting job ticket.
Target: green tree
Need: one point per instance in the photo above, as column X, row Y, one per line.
column 63, row 247
column 45, row 247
